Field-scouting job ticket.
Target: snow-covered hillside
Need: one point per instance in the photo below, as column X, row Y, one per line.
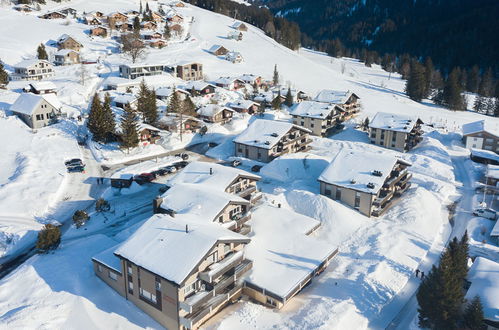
column 377, row 256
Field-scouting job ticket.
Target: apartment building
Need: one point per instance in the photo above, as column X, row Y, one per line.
column 481, row 135
column 318, row 117
column 369, row 182
column 135, row 70
column 264, row 140
column 397, row 132
column 33, row 69
column 189, row 71
column 347, row 102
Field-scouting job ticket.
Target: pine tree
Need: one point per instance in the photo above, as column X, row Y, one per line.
column 108, row 118
column 96, row 119
column 452, row 297
column 479, row 104
column 146, row 104
column 416, row 84
column 174, row 105
column 473, row 315
column 428, row 71
column 473, row 79
column 276, row 102
column 485, row 87
column 79, row 218
column 167, row 33
column 452, row 96
column 490, row 106
column 129, row 130
column 136, row 25
column 496, row 108
column 188, row 107
column 4, row 76
column 147, row 7
column 140, row 8
column 275, row 78
column 289, row 98
column 48, row 238
column 365, row 124
column 427, row 296
column 42, row 53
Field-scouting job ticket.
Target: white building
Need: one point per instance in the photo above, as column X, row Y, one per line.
column 318, row 117
column 135, row 70
column 33, row 69
column 37, row 110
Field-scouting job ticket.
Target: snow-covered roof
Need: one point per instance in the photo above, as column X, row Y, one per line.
column 200, row 200
column 198, row 85
column 492, row 171
column 214, row 48
column 220, row 178
column 107, row 258
column 64, row 52
column 237, row 24
column 355, row 170
column 484, row 278
column 119, row 81
column 29, row 63
column 141, row 126
column 65, row 37
column 242, row 104
column 26, row 103
column 281, row 262
column 480, row 126
column 312, row 109
column 265, row 133
column 211, row 110
column 265, row 97
column 164, row 247
column 393, row 122
column 168, row 91
column 486, row 154
column 142, row 65
column 43, row 85
column 125, row 98
column 495, row 230
column 227, row 80
column 122, row 175
column 249, row 78
column 332, row 96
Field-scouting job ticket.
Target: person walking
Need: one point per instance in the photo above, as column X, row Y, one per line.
column 417, row 272
column 422, row 275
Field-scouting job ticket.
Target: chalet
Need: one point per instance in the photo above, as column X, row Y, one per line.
column 97, row 13
column 251, row 79
column 121, row 180
column 481, row 135
column 148, row 25
column 157, row 43
column 90, row 20
column 121, row 100
column 369, row 182
column 232, row 84
column 135, row 70
column 176, row 29
column 99, row 31
column 119, row 84
column 484, row 156
column 66, row 57
column 117, row 17
column 218, row 50
column 234, row 57
column 200, row 88
column 53, row 15
column 124, row 26
column 264, row 140
column 199, row 273
column 156, row 17
column 266, row 98
column 318, row 117
column 150, row 35
column 24, row 8
column 185, row 124
column 148, row 134
column 41, row 87
column 179, row 4
column 244, row 106
column 347, row 102
column 33, row 69
column 37, row 111
column 165, row 93
column 189, row 71
column 240, row 26
column 297, row 95
column 175, row 18
column 397, row 132
column 220, row 178
column 235, row 35
column 67, row 42
column 69, row 11
column 213, row 113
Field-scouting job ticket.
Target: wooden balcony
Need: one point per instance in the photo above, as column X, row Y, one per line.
column 219, row 268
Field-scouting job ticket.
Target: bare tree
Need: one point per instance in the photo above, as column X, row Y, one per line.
column 132, row 46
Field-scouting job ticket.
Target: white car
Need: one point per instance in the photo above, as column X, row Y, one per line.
column 485, row 213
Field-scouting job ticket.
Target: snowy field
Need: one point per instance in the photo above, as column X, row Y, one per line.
column 377, row 256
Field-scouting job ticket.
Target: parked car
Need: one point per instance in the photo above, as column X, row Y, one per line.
column 164, row 189
column 485, row 213
column 76, row 169
column 74, row 162
column 171, row 169
column 256, row 168
column 160, row 172
column 181, row 164
column 236, row 163
column 212, row 144
column 144, row 178
column 184, row 156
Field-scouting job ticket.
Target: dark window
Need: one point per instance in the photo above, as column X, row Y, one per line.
column 338, row 194
column 327, row 192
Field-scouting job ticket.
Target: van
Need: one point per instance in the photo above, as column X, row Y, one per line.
column 485, row 213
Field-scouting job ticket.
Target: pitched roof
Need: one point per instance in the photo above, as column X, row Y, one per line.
column 484, row 278
column 162, row 245
column 64, row 52
column 214, row 48
column 265, row 133
column 312, row 109
column 198, row 85
column 492, row 171
column 107, row 258
column 481, row 126
column 220, row 178
column 393, row 122
column 43, row 85
column 195, row 199
column 332, row 96
column 125, row 98
column 355, row 170
column 486, row 154
column 242, row 104
column 211, row 110
column 65, row 37
column 29, row 63
column 26, row 103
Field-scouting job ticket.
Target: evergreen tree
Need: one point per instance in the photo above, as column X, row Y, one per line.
column 365, row 124
column 42, row 53
column 473, row 315
column 451, row 292
column 140, row 8
column 428, row 71
column 452, row 96
column 48, row 238
column 146, row 104
column 275, row 78
column 167, row 33
column 485, row 87
column 473, row 79
column 129, row 130
column 175, row 104
column 79, row 218
column 427, row 296
column 479, row 104
column 147, row 7
column 276, row 102
column 289, row 98
column 188, row 107
column 490, row 106
column 4, row 76
column 496, row 108
column 416, row 85
column 136, row 25
column 96, row 119
column 108, row 118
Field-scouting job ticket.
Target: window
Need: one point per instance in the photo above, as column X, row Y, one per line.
column 189, row 289
column 489, row 140
column 488, row 147
column 146, row 294
column 357, row 200
column 221, row 218
column 130, row 287
column 302, row 123
column 239, row 150
column 373, row 134
column 129, row 269
column 39, row 117
column 327, row 192
column 113, row 276
column 338, row 194
column 99, row 268
column 271, row 302
column 312, row 125
column 394, row 137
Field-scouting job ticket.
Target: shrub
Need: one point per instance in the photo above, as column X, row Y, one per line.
column 48, row 238
column 102, row 205
column 79, row 218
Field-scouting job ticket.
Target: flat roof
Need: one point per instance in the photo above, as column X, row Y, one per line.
column 312, row 109
column 393, row 122
column 283, row 256
column 265, row 133
column 164, row 247
column 484, row 278
column 354, row 170
column 333, row 96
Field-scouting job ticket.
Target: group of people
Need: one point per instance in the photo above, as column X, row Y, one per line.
column 100, row 180
column 422, row 274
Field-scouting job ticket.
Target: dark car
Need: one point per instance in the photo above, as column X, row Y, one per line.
column 181, row 164
column 144, row 178
column 256, row 168
column 76, row 169
column 164, row 189
column 235, row 163
column 74, row 162
column 160, row 172
column 184, row 156
column 212, row 144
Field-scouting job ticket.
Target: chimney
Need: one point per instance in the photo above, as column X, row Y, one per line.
column 156, row 203
column 211, row 171
column 186, row 229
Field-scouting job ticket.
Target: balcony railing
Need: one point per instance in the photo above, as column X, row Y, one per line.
column 221, row 267
column 245, row 192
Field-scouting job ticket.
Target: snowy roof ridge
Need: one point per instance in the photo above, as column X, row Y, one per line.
column 210, row 110
column 393, row 122
column 312, row 109
column 173, row 247
column 333, row 96
column 480, row 126
column 484, row 278
column 26, row 103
